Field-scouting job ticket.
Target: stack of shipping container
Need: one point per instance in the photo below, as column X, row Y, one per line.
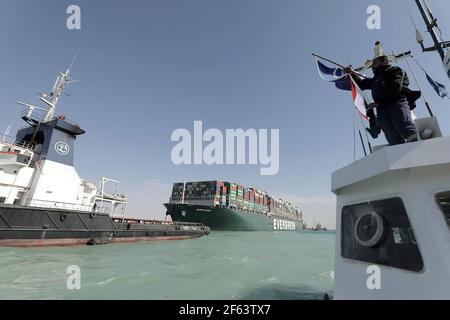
column 231, row 195
column 234, row 196
column 203, row 190
column 177, row 192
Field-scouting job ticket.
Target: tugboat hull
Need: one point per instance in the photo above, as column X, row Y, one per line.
column 34, row 227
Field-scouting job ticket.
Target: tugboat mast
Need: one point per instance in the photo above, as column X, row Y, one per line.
column 58, row 89
column 51, row 99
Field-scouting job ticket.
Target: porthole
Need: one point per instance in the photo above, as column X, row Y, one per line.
column 369, row 229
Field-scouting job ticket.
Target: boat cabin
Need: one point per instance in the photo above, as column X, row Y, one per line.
column 393, row 221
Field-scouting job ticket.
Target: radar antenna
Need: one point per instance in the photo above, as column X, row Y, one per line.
column 51, row 99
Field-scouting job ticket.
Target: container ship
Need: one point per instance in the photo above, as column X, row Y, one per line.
column 227, row 206
column 43, row 201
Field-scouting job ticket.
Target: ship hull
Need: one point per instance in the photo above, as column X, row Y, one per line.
column 225, row 219
column 34, row 227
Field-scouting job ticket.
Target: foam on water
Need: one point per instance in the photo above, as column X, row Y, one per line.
column 224, row 265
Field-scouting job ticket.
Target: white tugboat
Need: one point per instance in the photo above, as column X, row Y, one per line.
column 393, row 215
column 393, row 212
column 44, row 202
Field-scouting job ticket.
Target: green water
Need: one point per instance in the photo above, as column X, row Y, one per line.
column 223, row 265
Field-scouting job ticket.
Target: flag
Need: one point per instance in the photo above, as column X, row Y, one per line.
column 359, row 99
column 337, row 75
column 361, row 102
column 438, row 87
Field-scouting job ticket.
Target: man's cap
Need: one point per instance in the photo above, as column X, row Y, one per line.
column 379, row 52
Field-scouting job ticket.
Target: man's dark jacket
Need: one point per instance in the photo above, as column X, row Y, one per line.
column 389, row 87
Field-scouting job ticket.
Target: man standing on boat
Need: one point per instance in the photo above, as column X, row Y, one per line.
column 393, row 100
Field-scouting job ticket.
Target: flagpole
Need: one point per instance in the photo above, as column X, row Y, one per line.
column 337, row 64
column 328, row 60
column 362, row 143
column 365, row 132
column 356, row 126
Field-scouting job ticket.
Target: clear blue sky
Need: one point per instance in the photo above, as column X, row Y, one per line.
column 149, row 67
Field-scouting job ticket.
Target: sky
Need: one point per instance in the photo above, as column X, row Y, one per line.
column 148, row 67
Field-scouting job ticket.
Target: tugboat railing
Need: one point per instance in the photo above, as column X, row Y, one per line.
column 40, row 117
column 12, row 142
column 57, row 205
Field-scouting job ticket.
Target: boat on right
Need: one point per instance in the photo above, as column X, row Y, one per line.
column 393, row 215
column 392, row 225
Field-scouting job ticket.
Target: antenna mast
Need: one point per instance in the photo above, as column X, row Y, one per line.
column 432, row 27
column 51, row 100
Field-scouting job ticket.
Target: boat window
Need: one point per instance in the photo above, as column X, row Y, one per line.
column 379, row 232
column 2, row 199
column 443, row 200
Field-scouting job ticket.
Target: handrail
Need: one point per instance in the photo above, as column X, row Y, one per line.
column 11, row 141
column 41, row 117
column 149, row 221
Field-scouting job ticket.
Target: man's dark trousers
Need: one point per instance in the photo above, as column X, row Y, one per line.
column 396, row 122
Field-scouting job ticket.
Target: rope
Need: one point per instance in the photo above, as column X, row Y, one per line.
column 410, row 15
column 365, row 131
column 354, row 135
column 420, row 65
column 419, row 86
column 11, row 124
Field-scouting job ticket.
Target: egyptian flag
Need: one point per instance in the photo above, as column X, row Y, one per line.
column 359, row 99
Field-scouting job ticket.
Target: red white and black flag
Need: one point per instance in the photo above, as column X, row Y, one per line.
column 361, row 102
column 359, row 99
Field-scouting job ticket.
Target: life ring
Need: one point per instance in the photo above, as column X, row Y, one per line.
column 63, row 217
column 369, row 230
column 93, row 215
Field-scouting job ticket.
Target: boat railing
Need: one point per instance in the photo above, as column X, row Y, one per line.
column 63, row 117
column 193, row 224
column 130, row 220
column 38, row 115
column 57, row 205
column 11, row 141
column 120, row 198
